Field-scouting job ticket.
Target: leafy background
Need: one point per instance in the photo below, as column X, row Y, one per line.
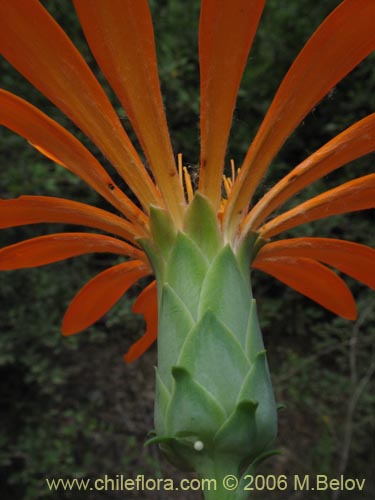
column 70, row 406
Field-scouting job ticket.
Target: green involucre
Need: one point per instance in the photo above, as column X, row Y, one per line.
column 212, row 382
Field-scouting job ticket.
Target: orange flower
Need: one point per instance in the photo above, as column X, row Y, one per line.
column 120, row 35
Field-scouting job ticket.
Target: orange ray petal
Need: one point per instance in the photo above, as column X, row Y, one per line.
column 353, row 259
column 358, row 194
column 55, row 247
column 341, row 42
column 121, row 37
column 312, row 279
column 37, row 47
column 226, row 33
column 52, row 140
column 146, row 304
column 100, row 294
column 354, row 142
column 37, row 209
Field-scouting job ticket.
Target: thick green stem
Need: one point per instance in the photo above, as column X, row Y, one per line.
column 225, row 477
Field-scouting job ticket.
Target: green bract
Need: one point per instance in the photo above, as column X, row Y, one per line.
column 215, row 409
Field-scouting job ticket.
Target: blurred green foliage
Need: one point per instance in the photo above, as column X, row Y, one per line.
column 71, row 407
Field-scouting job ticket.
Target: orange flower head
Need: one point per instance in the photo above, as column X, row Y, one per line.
column 120, row 36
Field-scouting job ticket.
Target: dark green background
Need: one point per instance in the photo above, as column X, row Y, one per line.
column 71, row 407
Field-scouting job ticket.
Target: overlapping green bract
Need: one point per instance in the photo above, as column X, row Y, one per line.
column 213, row 384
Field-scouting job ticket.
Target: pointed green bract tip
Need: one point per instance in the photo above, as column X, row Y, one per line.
column 162, row 229
column 202, row 226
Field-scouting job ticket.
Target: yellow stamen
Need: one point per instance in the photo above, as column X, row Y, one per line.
column 227, row 185
column 188, row 184
column 179, row 162
column 233, row 167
